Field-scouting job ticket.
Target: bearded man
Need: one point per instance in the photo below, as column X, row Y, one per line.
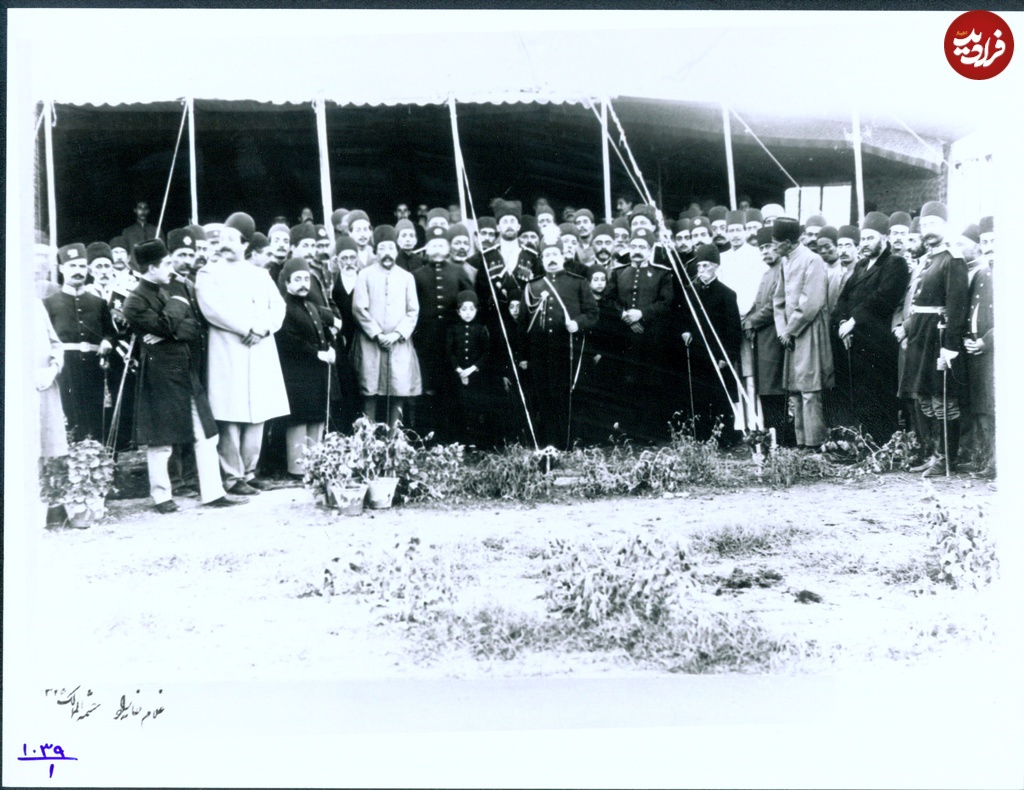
column 863, row 321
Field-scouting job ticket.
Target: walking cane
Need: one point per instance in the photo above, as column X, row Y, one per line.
column 387, row 394
column 945, row 417
column 327, row 417
column 689, row 377
column 849, row 368
column 568, row 425
column 115, row 418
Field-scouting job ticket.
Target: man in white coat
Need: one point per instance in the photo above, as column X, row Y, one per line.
column 386, row 307
column 246, row 387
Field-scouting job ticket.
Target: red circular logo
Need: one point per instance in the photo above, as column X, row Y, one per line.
column 978, row 45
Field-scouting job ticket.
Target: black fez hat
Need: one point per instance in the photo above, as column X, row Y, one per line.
column 851, row 232
column 456, row 230
column 486, row 222
column 148, row 253
column 718, row 213
column 505, row 208
column 72, row 252
column 291, row 266
column 300, row 233
column 180, row 238
column 680, row 225
column 764, row 236
column 934, row 208
column 243, row 223
column 829, row 232
column 118, row 242
column 467, row 296
column 876, row 221
column 987, row 225
column 899, row 218
column 259, row 242
column 604, row 229
column 706, row 252
column 786, row 229
column 528, row 224
column 98, row 249
column 644, row 210
column 569, row 229
column 752, row 215
column 436, row 232
column 345, row 243
column 972, row 232
column 384, row 233
column 816, row 221
column 354, row 216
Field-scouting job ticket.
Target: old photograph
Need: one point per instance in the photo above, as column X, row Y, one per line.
column 511, row 398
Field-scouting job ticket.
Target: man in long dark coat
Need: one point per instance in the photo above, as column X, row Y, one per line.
column 934, row 338
column 712, row 401
column 304, row 348
column 559, row 305
column 83, row 323
column 979, row 343
column 171, row 404
column 642, row 294
column 863, row 322
column 438, row 285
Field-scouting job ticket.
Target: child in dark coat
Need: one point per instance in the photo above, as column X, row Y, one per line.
column 467, row 344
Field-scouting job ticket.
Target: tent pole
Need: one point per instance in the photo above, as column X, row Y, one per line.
column 858, row 165
column 727, row 132
column 458, row 169
column 51, row 191
column 192, row 158
column 320, row 107
column 606, row 162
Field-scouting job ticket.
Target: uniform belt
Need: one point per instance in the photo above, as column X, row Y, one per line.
column 83, row 347
column 934, row 310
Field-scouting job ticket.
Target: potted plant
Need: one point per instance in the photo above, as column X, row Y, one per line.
column 80, row 481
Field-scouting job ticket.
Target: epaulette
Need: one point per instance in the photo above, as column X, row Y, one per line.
column 537, row 279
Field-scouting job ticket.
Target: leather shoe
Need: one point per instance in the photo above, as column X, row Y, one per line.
column 988, row 473
column 243, row 489
column 185, row 491
column 926, row 464
column 259, row 485
column 938, row 468
column 166, row 507
column 227, row 501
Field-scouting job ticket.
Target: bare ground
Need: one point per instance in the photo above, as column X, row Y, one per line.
column 240, row 593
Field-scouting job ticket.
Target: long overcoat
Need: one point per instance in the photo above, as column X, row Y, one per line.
column 53, row 440
column 801, row 311
column 245, row 382
column 981, row 326
column 167, row 381
column 384, row 301
column 300, row 337
column 769, row 356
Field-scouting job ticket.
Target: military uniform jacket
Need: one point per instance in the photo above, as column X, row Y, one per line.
column 494, row 283
column 942, row 284
column 437, row 286
column 468, row 344
column 544, row 314
column 168, row 381
column 647, row 289
column 84, row 318
column 408, row 261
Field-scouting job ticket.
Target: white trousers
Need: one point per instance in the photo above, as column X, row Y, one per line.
column 210, row 487
column 239, row 450
column 298, row 438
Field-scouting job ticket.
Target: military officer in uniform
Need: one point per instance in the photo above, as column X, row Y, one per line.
column 559, row 305
column 83, row 323
column 934, row 341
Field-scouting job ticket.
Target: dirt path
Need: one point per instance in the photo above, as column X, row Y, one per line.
column 238, row 593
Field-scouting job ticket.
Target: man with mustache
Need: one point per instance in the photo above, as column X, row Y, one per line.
column 720, row 312
column 83, row 323
column 305, row 350
column 979, row 344
column 244, row 308
column 752, row 222
column 140, row 230
column 360, row 229
column 461, row 250
column 407, row 242
column 172, row 407
column 560, row 305
column 280, row 248
column 719, row 228
column 934, row 341
column 837, row 399
column 863, row 321
column 439, row 282
column 584, row 222
column 386, row 308
column 812, row 227
column 642, row 294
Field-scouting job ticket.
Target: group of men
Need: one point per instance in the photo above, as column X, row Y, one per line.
column 230, row 351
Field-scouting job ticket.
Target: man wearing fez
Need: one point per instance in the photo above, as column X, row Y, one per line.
column 681, row 238
column 545, row 217
column 584, row 221
column 346, row 404
column 529, row 235
column 570, row 241
column 802, row 323
column 438, row 284
column 759, row 330
column 120, row 258
column 863, row 321
column 712, row 401
column 171, row 403
column 361, row 231
column 559, row 305
column 438, row 218
column 812, row 227
column 407, row 242
column 603, row 245
column 83, row 323
column 934, row 338
column 913, row 419
column 719, row 224
column 386, row 308
column 642, row 295
column 305, row 350
column 487, row 228
column 140, row 230
column 899, row 233
column 244, row 308
column 620, row 239
column 462, row 247
column 281, row 244
column 101, row 270
column 979, row 343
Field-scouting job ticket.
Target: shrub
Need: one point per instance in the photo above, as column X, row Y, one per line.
column 737, row 540
column 851, row 447
column 80, row 480
column 785, row 467
column 638, row 581
column 512, row 473
column 963, row 553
